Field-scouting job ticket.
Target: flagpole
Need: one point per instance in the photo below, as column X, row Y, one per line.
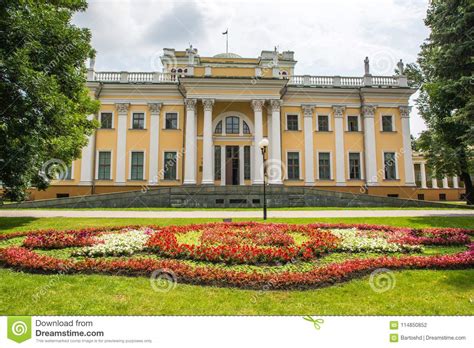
column 227, row 42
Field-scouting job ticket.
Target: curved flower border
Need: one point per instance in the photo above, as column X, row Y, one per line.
column 25, row 259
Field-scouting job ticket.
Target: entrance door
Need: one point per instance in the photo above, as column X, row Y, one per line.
column 232, row 165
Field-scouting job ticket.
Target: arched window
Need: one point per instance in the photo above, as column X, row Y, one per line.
column 245, row 127
column 284, row 74
column 180, row 70
column 218, row 129
column 232, row 125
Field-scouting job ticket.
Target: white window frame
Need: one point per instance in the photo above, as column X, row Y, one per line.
column 348, row 172
column 111, row 164
column 299, row 165
column 130, row 165
column 329, row 115
column 113, row 119
column 162, row 171
column 177, row 120
column 331, row 168
column 144, row 119
column 286, row 120
column 394, row 129
column 359, row 124
column 397, row 173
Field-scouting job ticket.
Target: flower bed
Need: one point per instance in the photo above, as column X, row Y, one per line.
column 219, row 245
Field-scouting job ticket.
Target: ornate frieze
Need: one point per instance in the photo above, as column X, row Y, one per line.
column 122, row 107
column 338, row 110
column 155, row 107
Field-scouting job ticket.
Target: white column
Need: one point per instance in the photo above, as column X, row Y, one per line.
column 190, row 147
column 423, row 175
column 407, row 152
column 241, row 165
column 434, row 183
column 207, row 169
column 308, row 145
column 339, row 134
column 120, row 175
column 368, row 112
column 222, row 165
column 445, row 182
column 275, row 164
column 87, row 159
column 257, row 106
column 455, row 182
column 155, row 109
column 269, row 130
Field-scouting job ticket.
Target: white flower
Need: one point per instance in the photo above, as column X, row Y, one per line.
column 116, row 244
column 351, row 241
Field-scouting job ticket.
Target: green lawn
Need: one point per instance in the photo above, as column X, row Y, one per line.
column 419, row 292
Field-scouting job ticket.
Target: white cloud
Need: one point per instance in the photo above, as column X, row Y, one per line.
column 328, row 37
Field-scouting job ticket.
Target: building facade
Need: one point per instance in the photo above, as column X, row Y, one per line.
column 200, row 121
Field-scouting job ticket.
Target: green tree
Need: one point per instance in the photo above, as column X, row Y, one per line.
column 44, row 101
column 444, row 74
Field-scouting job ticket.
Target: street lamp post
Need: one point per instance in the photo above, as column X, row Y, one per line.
column 263, row 144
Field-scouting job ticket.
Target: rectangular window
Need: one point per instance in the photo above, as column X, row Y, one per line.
column 292, row 122
column 390, row 165
column 393, row 195
column 353, row 123
column 105, row 158
column 323, row 123
column 106, row 120
column 293, row 165
column 421, row 197
column 387, row 123
column 171, row 120
column 246, row 162
column 232, row 125
column 138, row 120
column 442, row 196
column 217, row 162
column 170, row 169
column 324, row 163
column 137, row 166
column 354, row 166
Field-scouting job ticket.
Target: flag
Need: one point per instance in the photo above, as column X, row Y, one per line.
column 225, row 33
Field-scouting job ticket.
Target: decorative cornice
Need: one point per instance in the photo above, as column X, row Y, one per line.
column 404, row 111
column 257, row 105
column 190, row 104
column 368, row 110
column 275, row 104
column 208, row 103
column 308, row 110
column 122, row 107
column 338, row 110
column 155, row 107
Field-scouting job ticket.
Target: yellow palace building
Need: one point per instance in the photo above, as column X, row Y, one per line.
column 200, row 122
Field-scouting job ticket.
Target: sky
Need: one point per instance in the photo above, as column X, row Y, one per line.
column 328, row 37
